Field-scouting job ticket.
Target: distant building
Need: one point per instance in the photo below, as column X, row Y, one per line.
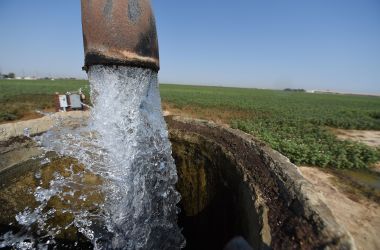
column 30, row 78
column 327, row 92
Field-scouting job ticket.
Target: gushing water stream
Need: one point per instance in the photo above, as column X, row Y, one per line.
column 142, row 200
column 126, row 144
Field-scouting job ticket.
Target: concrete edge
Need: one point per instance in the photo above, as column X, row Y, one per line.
column 39, row 125
column 297, row 187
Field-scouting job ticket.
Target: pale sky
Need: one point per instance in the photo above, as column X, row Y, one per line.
column 325, row 44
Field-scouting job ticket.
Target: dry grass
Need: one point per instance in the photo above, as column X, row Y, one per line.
column 19, row 99
column 23, row 107
column 368, row 137
column 217, row 115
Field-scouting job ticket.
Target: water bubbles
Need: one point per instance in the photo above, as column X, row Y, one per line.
column 83, row 197
column 25, row 245
column 162, row 166
column 11, row 240
column 87, row 232
column 45, row 161
column 125, row 144
column 27, row 132
column 42, row 194
column 37, row 174
column 26, row 217
column 127, row 117
column 51, row 211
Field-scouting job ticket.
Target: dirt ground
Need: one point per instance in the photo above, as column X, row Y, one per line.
column 360, row 217
column 38, row 125
column 217, row 115
column 368, row 137
column 376, row 167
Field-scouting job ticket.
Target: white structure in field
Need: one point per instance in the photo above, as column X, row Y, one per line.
column 63, row 102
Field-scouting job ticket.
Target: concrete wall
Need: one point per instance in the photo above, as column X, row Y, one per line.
column 272, row 206
column 278, row 206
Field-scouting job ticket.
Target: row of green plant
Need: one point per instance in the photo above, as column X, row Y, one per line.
column 307, row 144
column 294, row 123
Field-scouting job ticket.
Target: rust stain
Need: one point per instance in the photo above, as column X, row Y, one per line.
column 119, row 32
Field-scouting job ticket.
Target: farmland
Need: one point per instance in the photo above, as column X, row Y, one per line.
column 20, row 98
column 296, row 124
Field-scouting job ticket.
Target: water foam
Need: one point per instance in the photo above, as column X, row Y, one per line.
column 126, row 143
column 141, row 200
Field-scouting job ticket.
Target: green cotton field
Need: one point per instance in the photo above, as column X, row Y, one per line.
column 297, row 124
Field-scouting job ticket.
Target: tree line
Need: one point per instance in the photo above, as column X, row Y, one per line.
column 10, row 75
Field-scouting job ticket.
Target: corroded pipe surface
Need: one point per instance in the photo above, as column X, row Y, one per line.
column 119, row 32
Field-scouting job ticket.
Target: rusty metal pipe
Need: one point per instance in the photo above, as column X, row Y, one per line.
column 119, row 32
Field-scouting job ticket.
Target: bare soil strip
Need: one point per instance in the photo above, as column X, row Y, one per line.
column 368, row 137
column 361, row 217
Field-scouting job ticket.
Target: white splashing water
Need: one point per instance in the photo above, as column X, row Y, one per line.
column 142, row 200
column 126, row 143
